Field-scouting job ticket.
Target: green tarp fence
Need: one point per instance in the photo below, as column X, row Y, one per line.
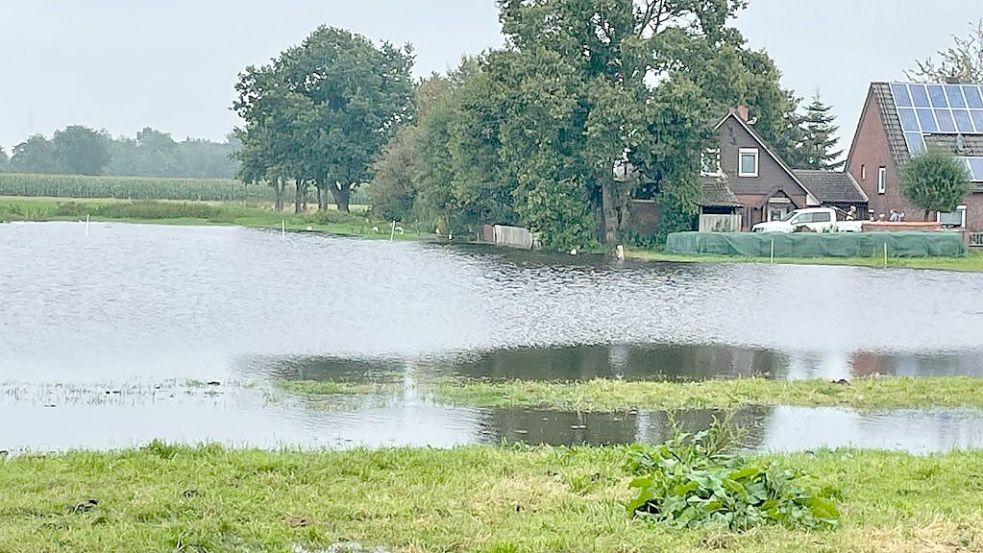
column 841, row 244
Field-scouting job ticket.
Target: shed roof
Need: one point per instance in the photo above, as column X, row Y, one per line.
column 715, row 192
column 832, row 186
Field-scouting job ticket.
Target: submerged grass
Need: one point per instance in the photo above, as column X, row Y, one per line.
column 332, row 387
column 619, row 395
column 165, row 498
column 973, row 262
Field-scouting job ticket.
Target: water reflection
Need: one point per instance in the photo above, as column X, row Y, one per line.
column 629, row 362
column 63, row 419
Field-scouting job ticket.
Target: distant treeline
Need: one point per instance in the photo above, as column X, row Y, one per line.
column 78, row 150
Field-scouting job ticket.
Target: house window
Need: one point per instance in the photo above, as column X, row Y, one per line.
column 953, row 219
column 748, row 162
column 711, row 162
column 882, row 180
column 863, row 172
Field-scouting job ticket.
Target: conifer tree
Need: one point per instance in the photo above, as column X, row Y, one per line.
column 818, row 147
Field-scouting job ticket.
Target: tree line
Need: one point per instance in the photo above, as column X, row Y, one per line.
column 528, row 134
column 79, row 150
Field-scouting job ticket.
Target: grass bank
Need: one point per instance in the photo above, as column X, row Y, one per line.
column 973, row 262
column 163, row 499
column 618, row 395
column 195, row 213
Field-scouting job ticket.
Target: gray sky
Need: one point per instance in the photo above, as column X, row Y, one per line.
column 124, row 64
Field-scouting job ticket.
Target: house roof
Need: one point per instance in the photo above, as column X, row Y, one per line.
column 715, row 192
column 832, row 186
column 811, row 198
column 972, row 144
column 881, row 93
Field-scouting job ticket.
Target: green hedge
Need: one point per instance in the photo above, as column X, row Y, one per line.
column 812, row 245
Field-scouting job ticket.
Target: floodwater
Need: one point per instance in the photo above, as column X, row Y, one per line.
column 133, row 306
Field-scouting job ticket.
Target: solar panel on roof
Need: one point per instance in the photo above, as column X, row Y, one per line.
column 916, row 143
column 901, row 96
column 909, row 122
column 944, row 117
column 973, row 96
column 976, row 167
column 927, row 120
column 963, row 123
column 919, row 96
column 954, row 93
column 965, row 116
column 937, row 94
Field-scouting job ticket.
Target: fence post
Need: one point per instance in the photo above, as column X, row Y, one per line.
column 885, row 254
column 772, row 251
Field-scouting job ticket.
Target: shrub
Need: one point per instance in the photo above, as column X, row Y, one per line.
column 691, row 481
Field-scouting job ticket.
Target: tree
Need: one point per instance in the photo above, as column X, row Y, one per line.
column 3, row 160
column 819, row 140
column 334, row 101
column 591, row 76
column 80, row 150
column 34, row 155
column 961, row 63
column 935, row 181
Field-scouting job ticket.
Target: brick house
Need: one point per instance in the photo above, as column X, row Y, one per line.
column 763, row 186
column 900, row 120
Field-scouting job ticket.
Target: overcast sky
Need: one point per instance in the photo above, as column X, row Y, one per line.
column 122, row 65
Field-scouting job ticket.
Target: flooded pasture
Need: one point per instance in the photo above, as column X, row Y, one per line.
column 140, row 309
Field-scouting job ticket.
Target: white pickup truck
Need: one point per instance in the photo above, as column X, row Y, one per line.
column 816, row 219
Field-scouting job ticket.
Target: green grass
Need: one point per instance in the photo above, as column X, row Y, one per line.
column 165, row 498
column 973, row 262
column 131, row 188
column 618, row 395
column 244, row 214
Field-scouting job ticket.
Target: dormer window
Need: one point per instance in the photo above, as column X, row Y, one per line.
column 747, row 162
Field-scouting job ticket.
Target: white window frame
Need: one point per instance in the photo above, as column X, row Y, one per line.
column 863, row 172
column 962, row 208
column 740, row 161
column 882, row 180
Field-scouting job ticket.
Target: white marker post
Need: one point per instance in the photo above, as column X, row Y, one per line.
column 885, row 255
column 86, row 224
column 392, row 235
column 283, row 227
column 772, row 251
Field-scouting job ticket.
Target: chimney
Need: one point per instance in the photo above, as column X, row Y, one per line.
column 743, row 112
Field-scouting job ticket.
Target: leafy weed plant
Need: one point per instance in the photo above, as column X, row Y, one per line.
column 693, row 481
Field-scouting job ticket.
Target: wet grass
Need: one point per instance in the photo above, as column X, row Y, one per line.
column 195, row 213
column 166, row 498
column 332, row 387
column 618, row 395
column 973, row 262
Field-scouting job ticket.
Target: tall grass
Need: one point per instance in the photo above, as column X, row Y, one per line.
column 146, row 188
column 131, row 188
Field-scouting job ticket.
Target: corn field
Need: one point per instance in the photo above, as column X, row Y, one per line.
column 131, row 188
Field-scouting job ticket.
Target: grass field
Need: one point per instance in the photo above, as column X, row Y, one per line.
column 245, row 214
column 485, row 499
column 973, row 262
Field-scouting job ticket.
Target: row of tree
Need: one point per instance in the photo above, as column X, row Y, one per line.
column 78, row 150
column 527, row 134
